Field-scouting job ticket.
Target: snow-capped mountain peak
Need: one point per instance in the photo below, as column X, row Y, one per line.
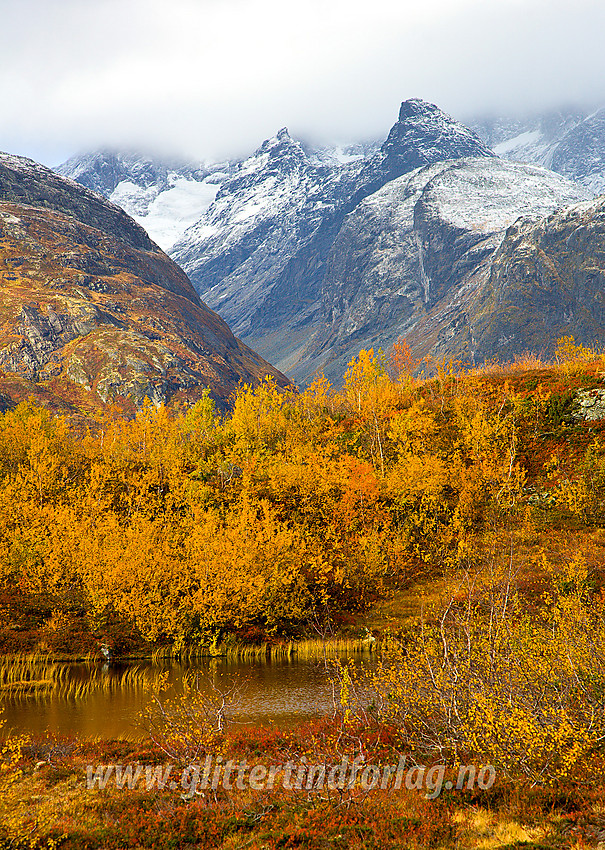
column 280, row 153
column 266, row 238
column 425, row 134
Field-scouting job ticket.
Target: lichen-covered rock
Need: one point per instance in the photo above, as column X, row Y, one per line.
column 591, row 405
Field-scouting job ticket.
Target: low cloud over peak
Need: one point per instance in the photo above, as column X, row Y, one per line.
column 211, row 79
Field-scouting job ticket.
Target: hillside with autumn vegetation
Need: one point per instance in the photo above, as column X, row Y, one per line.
column 458, row 515
column 93, row 314
column 325, row 507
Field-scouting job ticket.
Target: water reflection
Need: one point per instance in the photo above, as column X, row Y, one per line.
column 281, row 691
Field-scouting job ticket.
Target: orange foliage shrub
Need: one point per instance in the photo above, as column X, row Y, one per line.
column 190, row 525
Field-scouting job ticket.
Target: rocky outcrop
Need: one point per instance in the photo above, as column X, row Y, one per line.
column 90, row 303
column 590, row 405
column 546, row 280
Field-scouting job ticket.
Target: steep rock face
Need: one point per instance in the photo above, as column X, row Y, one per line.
column 165, row 196
column 410, row 249
column 531, row 139
column 260, row 253
column 580, row 155
column 546, row 280
column 90, row 307
column 375, row 282
column 262, row 216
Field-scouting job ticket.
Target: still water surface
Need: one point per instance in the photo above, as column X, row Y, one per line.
column 278, row 691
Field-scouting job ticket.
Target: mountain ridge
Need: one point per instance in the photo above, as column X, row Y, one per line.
column 283, row 249
column 570, row 142
column 92, row 308
column 259, row 254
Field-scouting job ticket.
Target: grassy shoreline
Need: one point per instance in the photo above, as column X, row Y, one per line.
column 48, row 675
column 303, row 648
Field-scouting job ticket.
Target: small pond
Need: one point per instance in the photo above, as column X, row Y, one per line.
column 107, row 701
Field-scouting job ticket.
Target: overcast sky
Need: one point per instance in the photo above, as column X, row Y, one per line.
column 213, row 78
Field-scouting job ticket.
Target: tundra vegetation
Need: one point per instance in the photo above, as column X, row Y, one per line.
column 457, row 513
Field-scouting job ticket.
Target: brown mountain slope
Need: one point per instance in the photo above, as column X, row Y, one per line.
column 93, row 312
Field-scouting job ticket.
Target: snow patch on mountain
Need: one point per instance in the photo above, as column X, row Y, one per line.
column 165, row 196
column 485, row 196
column 265, row 212
column 166, row 214
column 518, row 143
column 419, row 240
column 568, row 142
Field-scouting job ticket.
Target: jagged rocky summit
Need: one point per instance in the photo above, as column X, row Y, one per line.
column 311, row 263
column 93, row 312
column 260, row 254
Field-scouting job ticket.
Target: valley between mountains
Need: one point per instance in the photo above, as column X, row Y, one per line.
column 313, row 255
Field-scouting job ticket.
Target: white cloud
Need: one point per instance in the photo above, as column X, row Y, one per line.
column 212, row 77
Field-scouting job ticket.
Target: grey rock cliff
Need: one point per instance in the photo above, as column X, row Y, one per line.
column 580, row 155
column 407, row 258
column 546, row 280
